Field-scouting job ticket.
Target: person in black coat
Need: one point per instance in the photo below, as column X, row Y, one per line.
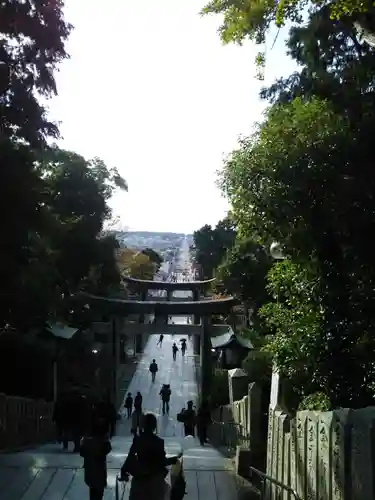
column 146, row 462
column 203, row 421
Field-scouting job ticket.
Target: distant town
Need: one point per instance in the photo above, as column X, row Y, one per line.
column 166, row 244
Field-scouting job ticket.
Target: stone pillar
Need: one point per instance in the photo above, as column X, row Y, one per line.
column 144, row 294
column 138, row 343
column 238, row 384
column 115, row 362
column 254, row 416
column 206, row 357
column 196, row 297
column 197, row 344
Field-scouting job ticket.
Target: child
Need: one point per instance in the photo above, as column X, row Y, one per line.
column 94, row 450
column 129, row 404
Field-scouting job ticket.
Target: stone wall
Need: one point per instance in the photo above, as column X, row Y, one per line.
column 24, row 422
column 238, row 424
column 322, row 455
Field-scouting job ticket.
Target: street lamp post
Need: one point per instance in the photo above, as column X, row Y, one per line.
column 276, row 251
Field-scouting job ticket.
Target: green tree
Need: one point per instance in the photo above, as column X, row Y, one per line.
column 300, row 175
column 76, row 195
column 250, row 19
column 156, row 258
column 141, row 267
column 211, row 245
column 243, row 273
column 32, row 36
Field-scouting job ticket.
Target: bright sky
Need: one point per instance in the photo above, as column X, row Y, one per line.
column 151, row 90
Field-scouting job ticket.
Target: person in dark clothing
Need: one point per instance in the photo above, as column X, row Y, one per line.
column 203, row 421
column 174, row 351
column 146, row 463
column 59, row 418
column 94, row 450
column 138, row 402
column 153, row 369
column 189, row 419
column 129, row 404
column 183, row 347
column 137, row 422
column 160, row 341
column 76, row 419
column 105, row 411
column 165, row 394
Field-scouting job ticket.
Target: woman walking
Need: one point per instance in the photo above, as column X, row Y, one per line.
column 146, row 463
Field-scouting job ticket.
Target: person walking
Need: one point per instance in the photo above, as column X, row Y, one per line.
column 203, row 421
column 160, row 341
column 183, row 347
column 137, row 422
column 59, row 418
column 189, row 419
column 153, row 369
column 165, row 394
column 138, row 401
column 129, row 404
column 174, row 351
column 105, row 411
column 146, row 463
column 94, row 450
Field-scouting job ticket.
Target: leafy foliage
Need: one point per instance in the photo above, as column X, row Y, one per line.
column 211, row 244
column 304, row 178
column 154, row 257
column 135, row 264
column 243, row 272
column 316, row 402
column 250, row 19
column 258, row 363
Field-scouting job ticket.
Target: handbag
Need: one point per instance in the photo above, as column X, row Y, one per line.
column 180, row 416
column 131, row 464
column 178, row 486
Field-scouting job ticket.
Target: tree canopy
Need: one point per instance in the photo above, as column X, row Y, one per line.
column 304, row 178
column 252, row 19
column 154, row 257
column 242, row 273
column 211, row 244
column 54, row 202
column 135, row 264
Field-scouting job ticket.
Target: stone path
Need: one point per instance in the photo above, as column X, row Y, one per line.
column 48, row 473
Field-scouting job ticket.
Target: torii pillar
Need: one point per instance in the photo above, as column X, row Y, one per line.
column 141, row 320
column 206, row 357
column 196, row 297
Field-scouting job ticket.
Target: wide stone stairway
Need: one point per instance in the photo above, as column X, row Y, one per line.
column 49, row 473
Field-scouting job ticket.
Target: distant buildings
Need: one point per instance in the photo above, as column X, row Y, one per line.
column 166, row 244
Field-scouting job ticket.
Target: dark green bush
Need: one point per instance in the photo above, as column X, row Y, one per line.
column 318, row 401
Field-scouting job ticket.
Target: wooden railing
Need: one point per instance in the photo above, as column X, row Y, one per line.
column 24, row 422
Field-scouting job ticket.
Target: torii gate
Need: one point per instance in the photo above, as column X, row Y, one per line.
column 202, row 309
column 197, row 288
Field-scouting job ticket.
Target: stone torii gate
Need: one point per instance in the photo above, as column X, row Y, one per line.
column 197, row 288
column 119, row 309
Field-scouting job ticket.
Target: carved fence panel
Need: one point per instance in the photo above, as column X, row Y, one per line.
column 322, row 455
column 24, row 422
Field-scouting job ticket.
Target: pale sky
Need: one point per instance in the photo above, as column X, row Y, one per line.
column 150, row 89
